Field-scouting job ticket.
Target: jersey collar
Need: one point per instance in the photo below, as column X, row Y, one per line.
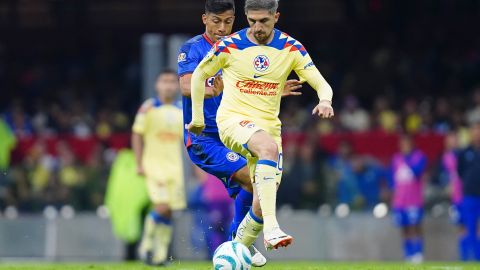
column 207, row 38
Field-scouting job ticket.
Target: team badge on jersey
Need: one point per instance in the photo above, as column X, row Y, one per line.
column 261, row 63
column 182, row 57
column 232, row 156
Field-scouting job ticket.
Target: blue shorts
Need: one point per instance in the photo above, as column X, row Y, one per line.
column 209, row 153
column 408, row 216
column 457, row 214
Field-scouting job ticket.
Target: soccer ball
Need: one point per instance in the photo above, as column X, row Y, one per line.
column 232, row 255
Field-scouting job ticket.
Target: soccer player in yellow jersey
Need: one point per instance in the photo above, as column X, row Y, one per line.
column 255, row 64
column 157, row 142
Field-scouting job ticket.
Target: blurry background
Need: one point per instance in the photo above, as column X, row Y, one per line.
column 73, row 73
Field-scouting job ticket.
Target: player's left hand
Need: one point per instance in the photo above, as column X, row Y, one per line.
column 195, row 129
column 324, row 109
column 291, row 87
column 217, row 85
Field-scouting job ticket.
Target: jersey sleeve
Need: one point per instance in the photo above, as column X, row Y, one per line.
column 188, row 59
column 215, row 60
column 306, row 70
column 139, row 125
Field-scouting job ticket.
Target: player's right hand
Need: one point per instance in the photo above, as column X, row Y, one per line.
column 217, row 85
column 291, row 87
column 195, row 129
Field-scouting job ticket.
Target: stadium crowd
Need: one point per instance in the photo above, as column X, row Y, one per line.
column 63, row 155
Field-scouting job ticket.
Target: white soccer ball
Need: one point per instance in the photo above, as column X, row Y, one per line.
column 232, row 255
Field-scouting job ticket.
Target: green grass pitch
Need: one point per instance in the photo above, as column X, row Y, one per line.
column 291, row 265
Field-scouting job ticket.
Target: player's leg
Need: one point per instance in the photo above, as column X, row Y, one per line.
column 162, row 217
column 416, row 217
column 264, row 147
column 458, row 220
column 470, row 223
column 401, row 221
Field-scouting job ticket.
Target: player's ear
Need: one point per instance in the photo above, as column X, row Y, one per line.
column 204, row 19
column 277, row 15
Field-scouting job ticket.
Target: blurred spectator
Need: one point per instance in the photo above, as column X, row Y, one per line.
column 385, row 117
column 352, row 117
column 469, row 171
column 212, row 212
column 369, row 175
column 412, row 120
column 454, row 186
column 346, row 182
column 443, row 121
column 19, row 121
column 407, row 169
column 473, row 114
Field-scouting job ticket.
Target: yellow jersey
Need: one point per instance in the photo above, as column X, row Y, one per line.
column 254, row 77
column 161, row 126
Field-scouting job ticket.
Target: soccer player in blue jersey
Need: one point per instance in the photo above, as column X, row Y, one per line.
column 206, row 150
column 469, row 171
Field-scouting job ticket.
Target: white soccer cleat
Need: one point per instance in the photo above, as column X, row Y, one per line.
column 258, row 260
column 276, row 238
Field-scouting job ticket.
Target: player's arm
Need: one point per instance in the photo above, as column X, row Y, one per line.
column 137, row 146
column 307, row 71
column 185, row 86
column 137, row 141
column 210, row 65
column 188, row 60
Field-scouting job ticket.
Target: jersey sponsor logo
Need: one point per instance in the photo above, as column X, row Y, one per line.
column 257, row 87
column 232, row 156
column 182, row 57
column 261, row 63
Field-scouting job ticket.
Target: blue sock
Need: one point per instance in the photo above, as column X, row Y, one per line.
column 417, row 245
column 243, row 202
column 408, row 248
column 463, row 248
column 157, row 218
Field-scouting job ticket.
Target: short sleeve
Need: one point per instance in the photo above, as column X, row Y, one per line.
column 139, row 125
column 188, row 59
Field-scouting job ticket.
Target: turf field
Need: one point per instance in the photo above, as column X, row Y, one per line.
column 271, row 266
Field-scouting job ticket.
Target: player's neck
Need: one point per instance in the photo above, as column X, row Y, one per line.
column 252, row 38
column 166, row 100
column 210, row 38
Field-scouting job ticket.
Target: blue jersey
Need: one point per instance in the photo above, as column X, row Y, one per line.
column 207, row 150
column 190, row 55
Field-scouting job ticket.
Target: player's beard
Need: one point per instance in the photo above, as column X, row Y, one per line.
column 261, row 37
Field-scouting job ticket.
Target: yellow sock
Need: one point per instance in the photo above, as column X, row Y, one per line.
column 148, row 234
column 163, row 237
column 265, row 181
column 249, row 229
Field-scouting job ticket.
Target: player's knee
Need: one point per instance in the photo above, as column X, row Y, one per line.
column 163, row 210
column 268, row 150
